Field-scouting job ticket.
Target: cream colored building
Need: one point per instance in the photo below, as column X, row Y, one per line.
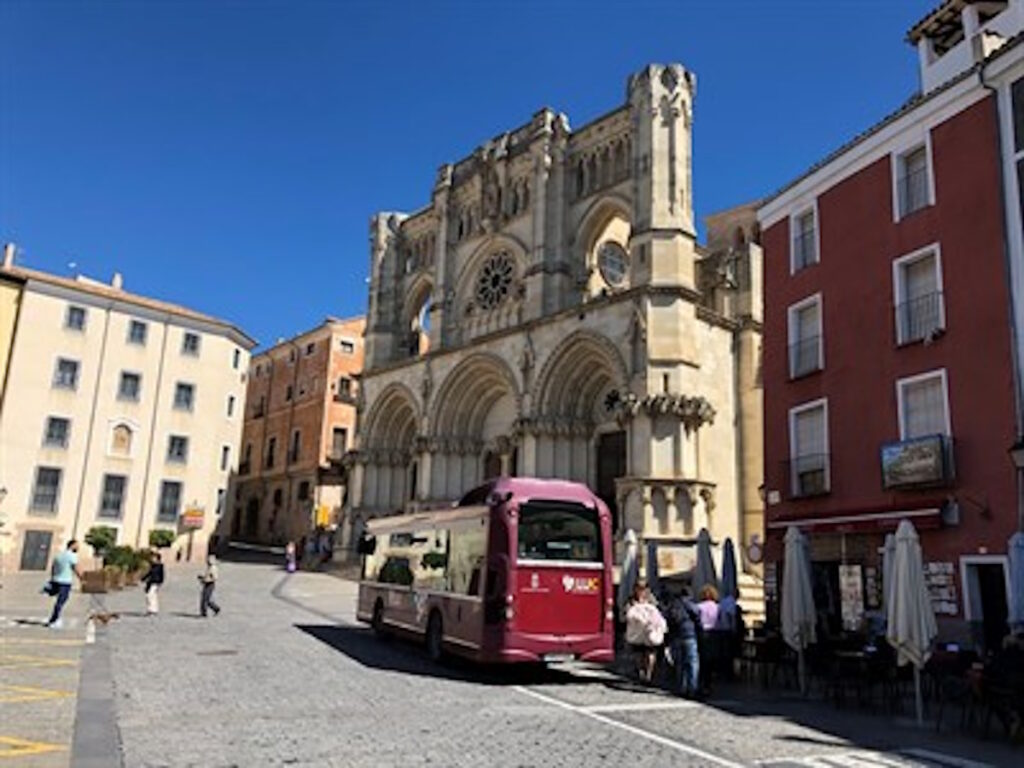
column 119, row 410
column 550, row 313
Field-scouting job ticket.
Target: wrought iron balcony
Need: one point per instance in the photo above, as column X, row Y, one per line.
column 921, row 318
column 805, row 357
column 808, row 475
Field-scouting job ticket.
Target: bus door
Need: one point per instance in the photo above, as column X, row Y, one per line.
column 462, row 604
column 560, row 584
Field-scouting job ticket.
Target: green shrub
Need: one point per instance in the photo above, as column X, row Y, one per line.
column 119, row 557
column 161, row 538
column 101, row 538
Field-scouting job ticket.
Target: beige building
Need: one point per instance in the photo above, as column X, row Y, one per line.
column 299, row 423
column 119, row 410
column 550, row 313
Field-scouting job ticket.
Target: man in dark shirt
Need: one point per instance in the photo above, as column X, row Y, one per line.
column 683, row 619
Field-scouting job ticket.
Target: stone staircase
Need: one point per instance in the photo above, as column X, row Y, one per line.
column 751, row 600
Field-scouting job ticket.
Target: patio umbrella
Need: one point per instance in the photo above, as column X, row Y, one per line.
column 704, row 571
column 888, row 553
column 1015, row 550
column 911, row 620
column 729, row 578
column 630, row 569
column 652, row 567
column 798, row 613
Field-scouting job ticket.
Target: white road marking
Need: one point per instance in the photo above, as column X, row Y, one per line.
column 662, row 740
column 938, row 757
column 90, row 632
column 863, row 759
column 640, row 706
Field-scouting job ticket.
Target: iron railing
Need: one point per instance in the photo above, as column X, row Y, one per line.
column 913, row 190
column 920, row 318
column 808, row 475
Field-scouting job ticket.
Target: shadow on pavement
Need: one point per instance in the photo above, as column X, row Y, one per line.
column 392, row 654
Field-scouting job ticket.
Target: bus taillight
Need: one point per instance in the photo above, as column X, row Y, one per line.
column 510, row 611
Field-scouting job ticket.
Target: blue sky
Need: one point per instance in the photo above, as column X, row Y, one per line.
column 228, row 155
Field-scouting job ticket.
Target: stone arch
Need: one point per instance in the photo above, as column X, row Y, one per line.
column 474, row 321
column 386, row 448
column 469, row 392
column 393, row 421
column 594, row 226
column 416, row 316
column 576, row 372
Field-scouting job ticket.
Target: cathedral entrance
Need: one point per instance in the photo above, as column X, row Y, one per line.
column 611, row 465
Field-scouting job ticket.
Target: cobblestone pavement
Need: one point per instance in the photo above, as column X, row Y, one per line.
column 285, row 676
column 39, row 670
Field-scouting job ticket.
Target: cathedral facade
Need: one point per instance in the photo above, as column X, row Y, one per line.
column 550, row 313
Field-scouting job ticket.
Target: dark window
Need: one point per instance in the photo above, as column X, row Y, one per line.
column 271, row 448
column 277, row 497
column 190, row 344
column 66, row 375
column 113, row 495
column 57, row 429
column 304, row 490
column 1017, row 97
column 550, row 531
column 46, row 489
column 184, row 396
column 75, row 319
column 293, row 452
column 128, row 389
column 231, row 406
column 345, row 386
column 291, row 355
column 310, row 348
column 339, row 441
column 137, row 331
column 177, row 449
column 288, row 393
column 348, row 347
column 170, row 501
column 225, row 457
column 236, row 359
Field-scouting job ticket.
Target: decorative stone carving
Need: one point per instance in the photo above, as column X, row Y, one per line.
column 708, row 495
column 494, row 281
column 694, row 412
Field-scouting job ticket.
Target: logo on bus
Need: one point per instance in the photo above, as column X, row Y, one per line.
column 580, row 584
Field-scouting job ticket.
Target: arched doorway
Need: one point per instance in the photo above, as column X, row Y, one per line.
column 386, row 449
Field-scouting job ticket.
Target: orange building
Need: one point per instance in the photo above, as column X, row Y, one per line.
column 299, row 422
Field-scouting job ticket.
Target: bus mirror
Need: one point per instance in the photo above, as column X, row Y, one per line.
column 367, row 545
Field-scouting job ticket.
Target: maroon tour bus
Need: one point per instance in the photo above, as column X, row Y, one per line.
column 519, row 571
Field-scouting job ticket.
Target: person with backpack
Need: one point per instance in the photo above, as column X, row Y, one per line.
column 683, row 619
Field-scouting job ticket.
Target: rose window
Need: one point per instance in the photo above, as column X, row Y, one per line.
column 613, row 261
column 494, row 283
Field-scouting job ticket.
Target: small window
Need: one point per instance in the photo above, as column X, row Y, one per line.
column 190, row 344
column 220, row 501
column 236, row 359
column 805, row 337
column 231, row 406
column 920, row 309
column 128, row 388
column 296, row 447
column 348, row 347
column 271, row 450
column 112, row 502
column 66, row 375
column 277, row 497
column 259, row 370
column 57, row 430
column 303, row 493
column 291, row 355
column 75, row 319
column 46, row 489
column 808, row 449
column 310, row 348
column 339, row 442
column 137, row 332
column 225, row 457
column 288, row 393
column 923, row 405
column 345, row 386
column 805, row 240
column 170, row 501
column 184, row 396
column 177, row 449
column 912, row 182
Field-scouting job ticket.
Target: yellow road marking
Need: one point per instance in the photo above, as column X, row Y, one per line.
column 11, row 694
column 24, row 661
column 30, row 641
column 12, row 747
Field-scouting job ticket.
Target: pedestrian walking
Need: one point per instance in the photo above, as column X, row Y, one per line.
column 709, row 639
column 683, row 618
column 151, row 583
column 645, row 630
column 208, row 582
column 289, row 557
column 64, row 568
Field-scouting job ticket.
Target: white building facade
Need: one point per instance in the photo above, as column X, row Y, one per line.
column 551, row 314
column 119, row 411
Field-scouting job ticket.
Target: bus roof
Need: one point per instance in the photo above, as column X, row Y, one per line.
column 424, row 519
column 526, row 488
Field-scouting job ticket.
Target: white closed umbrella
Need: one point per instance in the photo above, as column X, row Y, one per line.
column 704, row 571
column 911, row 619
column 798, row 614
column 888, row 553
column 1015, row 551
column 630, row 569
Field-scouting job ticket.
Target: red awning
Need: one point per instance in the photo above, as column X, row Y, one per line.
column 867, row 522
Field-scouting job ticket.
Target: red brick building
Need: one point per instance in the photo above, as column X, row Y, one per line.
column 890, row 380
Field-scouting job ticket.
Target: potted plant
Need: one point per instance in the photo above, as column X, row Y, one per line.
column 101, row 538
column 120, row 559
column 161, row 538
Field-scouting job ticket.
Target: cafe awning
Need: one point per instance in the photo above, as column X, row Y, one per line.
column 865, row 522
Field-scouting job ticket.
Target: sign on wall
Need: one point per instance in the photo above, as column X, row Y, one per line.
column 193, row 517
column 851, row 592
column 917, row 462
column 938, row 577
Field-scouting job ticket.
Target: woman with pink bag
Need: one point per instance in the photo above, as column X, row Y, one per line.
column 645, row 630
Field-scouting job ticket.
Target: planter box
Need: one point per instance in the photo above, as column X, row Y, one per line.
column 132, row 579
column 94, row 582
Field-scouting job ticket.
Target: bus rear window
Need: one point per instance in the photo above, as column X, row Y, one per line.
column 549, row 531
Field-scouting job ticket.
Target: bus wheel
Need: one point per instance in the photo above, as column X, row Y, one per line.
column 434, row 637
column 378, row 619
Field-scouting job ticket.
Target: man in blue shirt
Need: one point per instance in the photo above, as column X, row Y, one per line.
column 65, row 566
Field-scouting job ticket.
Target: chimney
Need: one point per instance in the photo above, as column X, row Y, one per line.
column 117, row 282
column 9, row 250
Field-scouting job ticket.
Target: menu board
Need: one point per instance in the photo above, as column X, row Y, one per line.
column 938, row 578
column 872, row 588
column 851, row 592
column 771, row 583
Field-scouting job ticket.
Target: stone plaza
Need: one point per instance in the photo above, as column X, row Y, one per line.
column 286, row 676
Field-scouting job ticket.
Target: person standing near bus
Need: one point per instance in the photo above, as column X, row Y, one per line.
column 683, row 619
column 65, row 566
column 645, row 630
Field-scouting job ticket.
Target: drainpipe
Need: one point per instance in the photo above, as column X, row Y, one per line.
column 1008, row 263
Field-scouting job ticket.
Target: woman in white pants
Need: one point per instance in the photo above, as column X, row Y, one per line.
column 152, row 581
